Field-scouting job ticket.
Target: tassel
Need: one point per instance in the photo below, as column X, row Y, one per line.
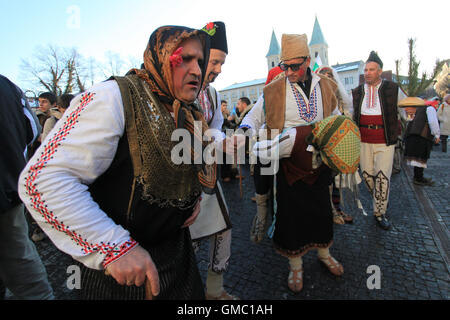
column 271, row 230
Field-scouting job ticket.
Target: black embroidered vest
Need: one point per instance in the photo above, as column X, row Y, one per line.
column 388, row 93
column 419, row 125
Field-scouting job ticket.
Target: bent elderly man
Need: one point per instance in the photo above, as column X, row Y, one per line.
column 104, row 188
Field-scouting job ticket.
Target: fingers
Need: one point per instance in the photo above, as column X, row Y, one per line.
column 153, row 278
column 133, row 268
column 194, row 215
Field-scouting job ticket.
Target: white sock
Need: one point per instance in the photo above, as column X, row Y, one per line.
column 296, row 263
column 323, row 253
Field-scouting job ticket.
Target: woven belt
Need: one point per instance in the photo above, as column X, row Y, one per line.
column 371, row 126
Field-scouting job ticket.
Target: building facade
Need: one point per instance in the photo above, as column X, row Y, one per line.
column 349, row 73
column 250, row 89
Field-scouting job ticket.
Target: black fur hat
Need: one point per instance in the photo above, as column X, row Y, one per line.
column 218, row 35
column 375, row 58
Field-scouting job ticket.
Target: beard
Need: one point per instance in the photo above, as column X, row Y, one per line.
column 211, row 77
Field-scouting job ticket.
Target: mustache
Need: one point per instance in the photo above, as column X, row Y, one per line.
column 193, row 78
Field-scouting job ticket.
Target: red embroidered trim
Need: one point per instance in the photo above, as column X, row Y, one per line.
column 111, row 250
column 119, row 252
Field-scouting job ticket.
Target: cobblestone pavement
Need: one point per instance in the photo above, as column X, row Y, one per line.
column 412, row 256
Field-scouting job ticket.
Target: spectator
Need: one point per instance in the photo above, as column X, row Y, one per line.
column 62, row 104
column 21, row 268
column 444, row 118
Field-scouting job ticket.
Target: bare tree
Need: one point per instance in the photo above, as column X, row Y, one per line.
column 55, row 69
column 134, row 62
column 442, row 85
column 114, row 64
column 46, row 68
column 414, row 85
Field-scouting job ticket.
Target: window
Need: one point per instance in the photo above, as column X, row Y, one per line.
column 346, row 80
column 273, row 64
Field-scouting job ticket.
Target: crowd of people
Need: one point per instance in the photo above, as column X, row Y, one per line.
column 95, row 171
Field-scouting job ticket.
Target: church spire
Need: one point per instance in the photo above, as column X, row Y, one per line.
column 317, row 35
column 274, row 48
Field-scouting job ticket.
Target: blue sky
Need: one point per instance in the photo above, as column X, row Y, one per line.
column 351, row 28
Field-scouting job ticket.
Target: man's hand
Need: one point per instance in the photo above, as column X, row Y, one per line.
column 437, row 140
column 194, row 215
column 133, row 268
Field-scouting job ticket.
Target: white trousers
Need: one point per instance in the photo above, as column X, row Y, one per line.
column 376, row 166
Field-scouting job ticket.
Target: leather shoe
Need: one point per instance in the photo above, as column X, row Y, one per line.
column 383, row 222
column 424, row 182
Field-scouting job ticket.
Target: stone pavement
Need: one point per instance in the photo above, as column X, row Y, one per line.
column 412, row 256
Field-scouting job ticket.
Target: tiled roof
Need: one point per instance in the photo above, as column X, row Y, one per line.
column 347, row 66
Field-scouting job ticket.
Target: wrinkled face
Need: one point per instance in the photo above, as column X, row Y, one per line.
column 187, row 75
column 216, row 60
column 372, row 73
column 44, row 104
column 300, row 74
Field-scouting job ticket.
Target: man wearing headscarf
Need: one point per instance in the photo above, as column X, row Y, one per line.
column 213, row 221
column 105, row 188
column 291, row 103
column 376, row 114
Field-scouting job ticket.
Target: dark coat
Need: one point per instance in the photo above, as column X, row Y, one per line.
column 16, row 132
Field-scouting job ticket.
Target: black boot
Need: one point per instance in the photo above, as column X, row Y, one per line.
column 444, row 143
column 419, row 179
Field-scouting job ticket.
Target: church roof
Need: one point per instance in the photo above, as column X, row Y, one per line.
column 274, row 48
column 317, row 35
column 348, row 66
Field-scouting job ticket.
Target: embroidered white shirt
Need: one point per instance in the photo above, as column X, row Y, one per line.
column 371, row 102
column 54, row 184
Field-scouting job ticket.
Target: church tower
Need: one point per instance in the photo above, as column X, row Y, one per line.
column 318, row 46
column 273, row 56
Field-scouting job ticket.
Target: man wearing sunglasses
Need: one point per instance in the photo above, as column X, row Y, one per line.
column 291, row 103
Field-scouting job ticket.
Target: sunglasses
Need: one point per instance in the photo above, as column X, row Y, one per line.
column 294, row 67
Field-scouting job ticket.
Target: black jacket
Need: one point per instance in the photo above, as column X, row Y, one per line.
column 18, row 128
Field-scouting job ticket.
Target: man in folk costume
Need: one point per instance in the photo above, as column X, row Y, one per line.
column 104, row 187
column 421, row 132
column 293, row 102
column 213, row 221
column 376, row 114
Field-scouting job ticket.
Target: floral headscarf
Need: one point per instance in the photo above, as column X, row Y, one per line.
column 163, row 42
column 161, row 49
